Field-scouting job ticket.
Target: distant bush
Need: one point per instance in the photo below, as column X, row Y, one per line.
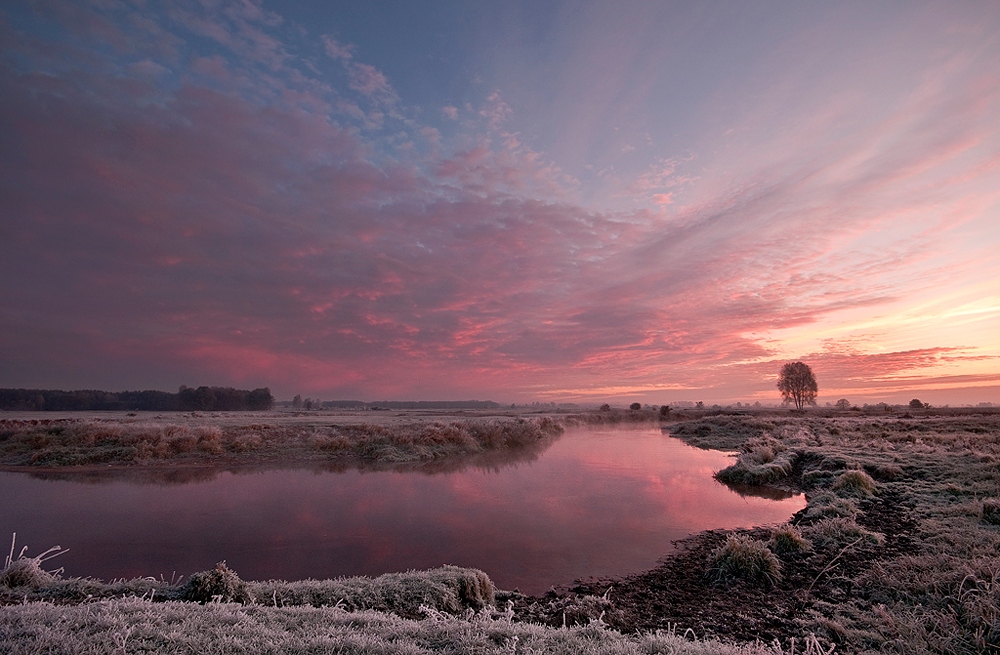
column 745, row 559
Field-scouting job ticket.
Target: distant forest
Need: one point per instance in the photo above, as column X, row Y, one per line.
column 202, row 399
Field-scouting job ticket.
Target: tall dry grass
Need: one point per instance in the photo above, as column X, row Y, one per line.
column 88, row 442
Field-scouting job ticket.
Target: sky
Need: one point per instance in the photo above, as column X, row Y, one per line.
column 518, row 201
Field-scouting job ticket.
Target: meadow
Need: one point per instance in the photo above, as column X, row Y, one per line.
column 896, row 551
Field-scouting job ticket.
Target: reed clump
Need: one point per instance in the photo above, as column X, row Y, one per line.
column 744, row 558
column 787, row 539
column 27, row 572
column 826, row 504
column 220, row 584
column 855, row 483
column 762, row 462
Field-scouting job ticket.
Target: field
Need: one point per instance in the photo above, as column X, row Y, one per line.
column 896, row 551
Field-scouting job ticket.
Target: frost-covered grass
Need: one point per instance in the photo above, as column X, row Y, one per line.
column 930, row 585
column 113, row 627
column 763, row 461
column 446, row 610
column 747, row 559
column 447, row 589
column 70, row 442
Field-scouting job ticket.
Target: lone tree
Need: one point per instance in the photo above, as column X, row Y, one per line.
column 797, row 384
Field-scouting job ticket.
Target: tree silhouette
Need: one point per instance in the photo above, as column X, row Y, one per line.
column 797, row 384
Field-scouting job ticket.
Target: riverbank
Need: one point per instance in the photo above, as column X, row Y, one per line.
column 163, row 441
column 898, row 549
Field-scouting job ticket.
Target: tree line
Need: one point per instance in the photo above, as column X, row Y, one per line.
column 203, row 399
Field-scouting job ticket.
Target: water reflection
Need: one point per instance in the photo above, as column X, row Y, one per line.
column 595, row 503
column 748, row 491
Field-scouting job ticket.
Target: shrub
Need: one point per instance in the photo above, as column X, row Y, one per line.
column 991, row 511
column 635, row 407
column 855, row 483
column 219, row 584
column 787, row 539
column 746, row 559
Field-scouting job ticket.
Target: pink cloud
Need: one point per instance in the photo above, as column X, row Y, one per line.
column 496, row 111
column 368, row 80
column 336, row 49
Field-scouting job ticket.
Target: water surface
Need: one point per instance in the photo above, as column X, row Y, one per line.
column 597, row 503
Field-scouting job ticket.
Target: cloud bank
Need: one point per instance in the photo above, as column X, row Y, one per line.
column 211, row 195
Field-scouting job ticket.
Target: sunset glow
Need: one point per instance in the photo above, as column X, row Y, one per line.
column 514, row 201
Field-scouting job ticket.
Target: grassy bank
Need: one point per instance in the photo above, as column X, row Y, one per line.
column 119, row 442
column 447, row 610
column 898, row 549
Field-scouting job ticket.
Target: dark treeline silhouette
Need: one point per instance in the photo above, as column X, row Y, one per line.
column 204, row 399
